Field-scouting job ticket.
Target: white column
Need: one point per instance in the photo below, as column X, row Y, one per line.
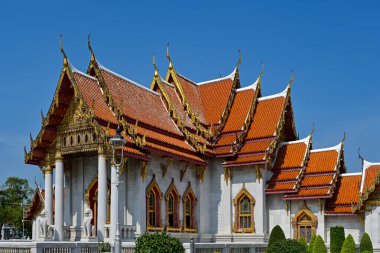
column 102, row 193
column 58, row 218
column 49, row 193
column 114, row 202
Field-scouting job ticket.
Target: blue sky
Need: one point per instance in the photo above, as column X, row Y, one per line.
column 332, row 46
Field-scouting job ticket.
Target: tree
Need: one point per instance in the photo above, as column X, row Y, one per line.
column 366, row 244
column 13, row 194
column 337, row 238
column 311, row 244
column 276, row 235
column 287, row 246
column 303, row 242
column 319, row 245
column 348, row 245
column 158, row 243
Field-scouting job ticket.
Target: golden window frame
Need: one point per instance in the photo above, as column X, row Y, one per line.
column 304, row 217
column 237, row 200
column 172, row 190
column 189, row 193
column 153, row 186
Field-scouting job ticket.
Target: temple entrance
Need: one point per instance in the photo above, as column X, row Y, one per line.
column 304, row 224
column 92, row 200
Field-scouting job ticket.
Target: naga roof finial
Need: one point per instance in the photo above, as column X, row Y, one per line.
column 239, row 60
column 291, row 77
column 89, row 46
column 65, row 61
column 262, row 69
column 168, row 56
column 361, row 157
column 155, row 66
column 312, row 130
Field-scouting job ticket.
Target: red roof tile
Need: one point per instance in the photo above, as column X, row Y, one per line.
column 291, row 155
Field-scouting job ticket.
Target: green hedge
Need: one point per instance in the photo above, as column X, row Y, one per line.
column 311, row 244
column 337, row 238
column 319, row 245
column 287, row 246
column 276, row 235
column 348, row 245
column 366, row 244
column 158, row 243
column 302, row 240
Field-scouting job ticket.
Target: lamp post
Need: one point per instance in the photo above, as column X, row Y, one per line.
column 117, row 142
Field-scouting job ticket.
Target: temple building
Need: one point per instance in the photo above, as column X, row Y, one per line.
column 212, row 160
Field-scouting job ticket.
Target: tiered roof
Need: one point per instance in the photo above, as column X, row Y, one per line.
column 195, row 122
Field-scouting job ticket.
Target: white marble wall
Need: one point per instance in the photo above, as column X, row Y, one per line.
column 278, row 214
column 372, row 224
column 352, row 225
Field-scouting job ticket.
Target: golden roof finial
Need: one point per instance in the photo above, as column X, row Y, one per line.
column 291, row 77
column 168, row 56
column 65, row 61
column 155, row 66
column 312, row 130
column 239, row 61
column 262, row 69
column 361, row 157
column 344, row 137
column 89, row 46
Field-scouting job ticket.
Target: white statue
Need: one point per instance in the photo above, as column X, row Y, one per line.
column 87, row 226
column 42, row 223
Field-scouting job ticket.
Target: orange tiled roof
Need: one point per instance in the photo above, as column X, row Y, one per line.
column 346, row 194
column 320, row 174
column 291, row 155
column 280, row 187
column 239, row 110
column 246, row 160
column 370, row 177
column 127, row 94
column 92, row 94
column 288, row 165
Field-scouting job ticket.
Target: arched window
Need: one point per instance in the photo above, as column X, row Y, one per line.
column 304, row 224
column 172, row 209
column 189, row 203
column 153, row 203
column 244, row 216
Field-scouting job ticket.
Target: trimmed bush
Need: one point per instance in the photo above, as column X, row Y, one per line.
column 311, row 244
column 303, row 241
column 158, row 243
column 276, row 235
column 348, row 245
column 319, row 245
column 366, row 251
column 287, row 246
column 366, row 244
column 337, row 238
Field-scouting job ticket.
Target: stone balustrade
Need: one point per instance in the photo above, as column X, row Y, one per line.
column 127, row 232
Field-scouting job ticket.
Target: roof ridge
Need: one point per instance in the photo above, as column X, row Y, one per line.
column 75, row 70
column 188, row 79
column 230, row 76
column 128, row 80
column 281, row 94
column 366, row 165
column 252, row 86
column 333, row 148
column 304, row 140
column 351, row 174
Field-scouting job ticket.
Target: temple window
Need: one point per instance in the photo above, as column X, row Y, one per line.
column 172, row 209
column 153, row 203
column 304, row 224
column 86, row 138
column 244, row 212
column 78, row 139
column 189, row 203
column 71, row 140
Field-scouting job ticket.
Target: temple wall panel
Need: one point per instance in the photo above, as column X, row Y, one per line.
column 352, row 225
column 314, row 206
column 278, row 215
column 372, row 224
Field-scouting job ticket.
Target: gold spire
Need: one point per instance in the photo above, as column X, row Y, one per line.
column 239, row 60
column 89, row 46
column 291, row 77
column 65, row 61
column 168, row 56
column 262, row 69
column 155, row 66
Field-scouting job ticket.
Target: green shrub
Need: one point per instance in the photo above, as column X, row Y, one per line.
column 302, row 240
column 337, row 238
column 366, row 251
column 104, row 247
column 158, row 243
column 276, row 235
column 366, row 244
column 286, row 246
column 311, row 244
column 319, row 245
column 348, row 245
